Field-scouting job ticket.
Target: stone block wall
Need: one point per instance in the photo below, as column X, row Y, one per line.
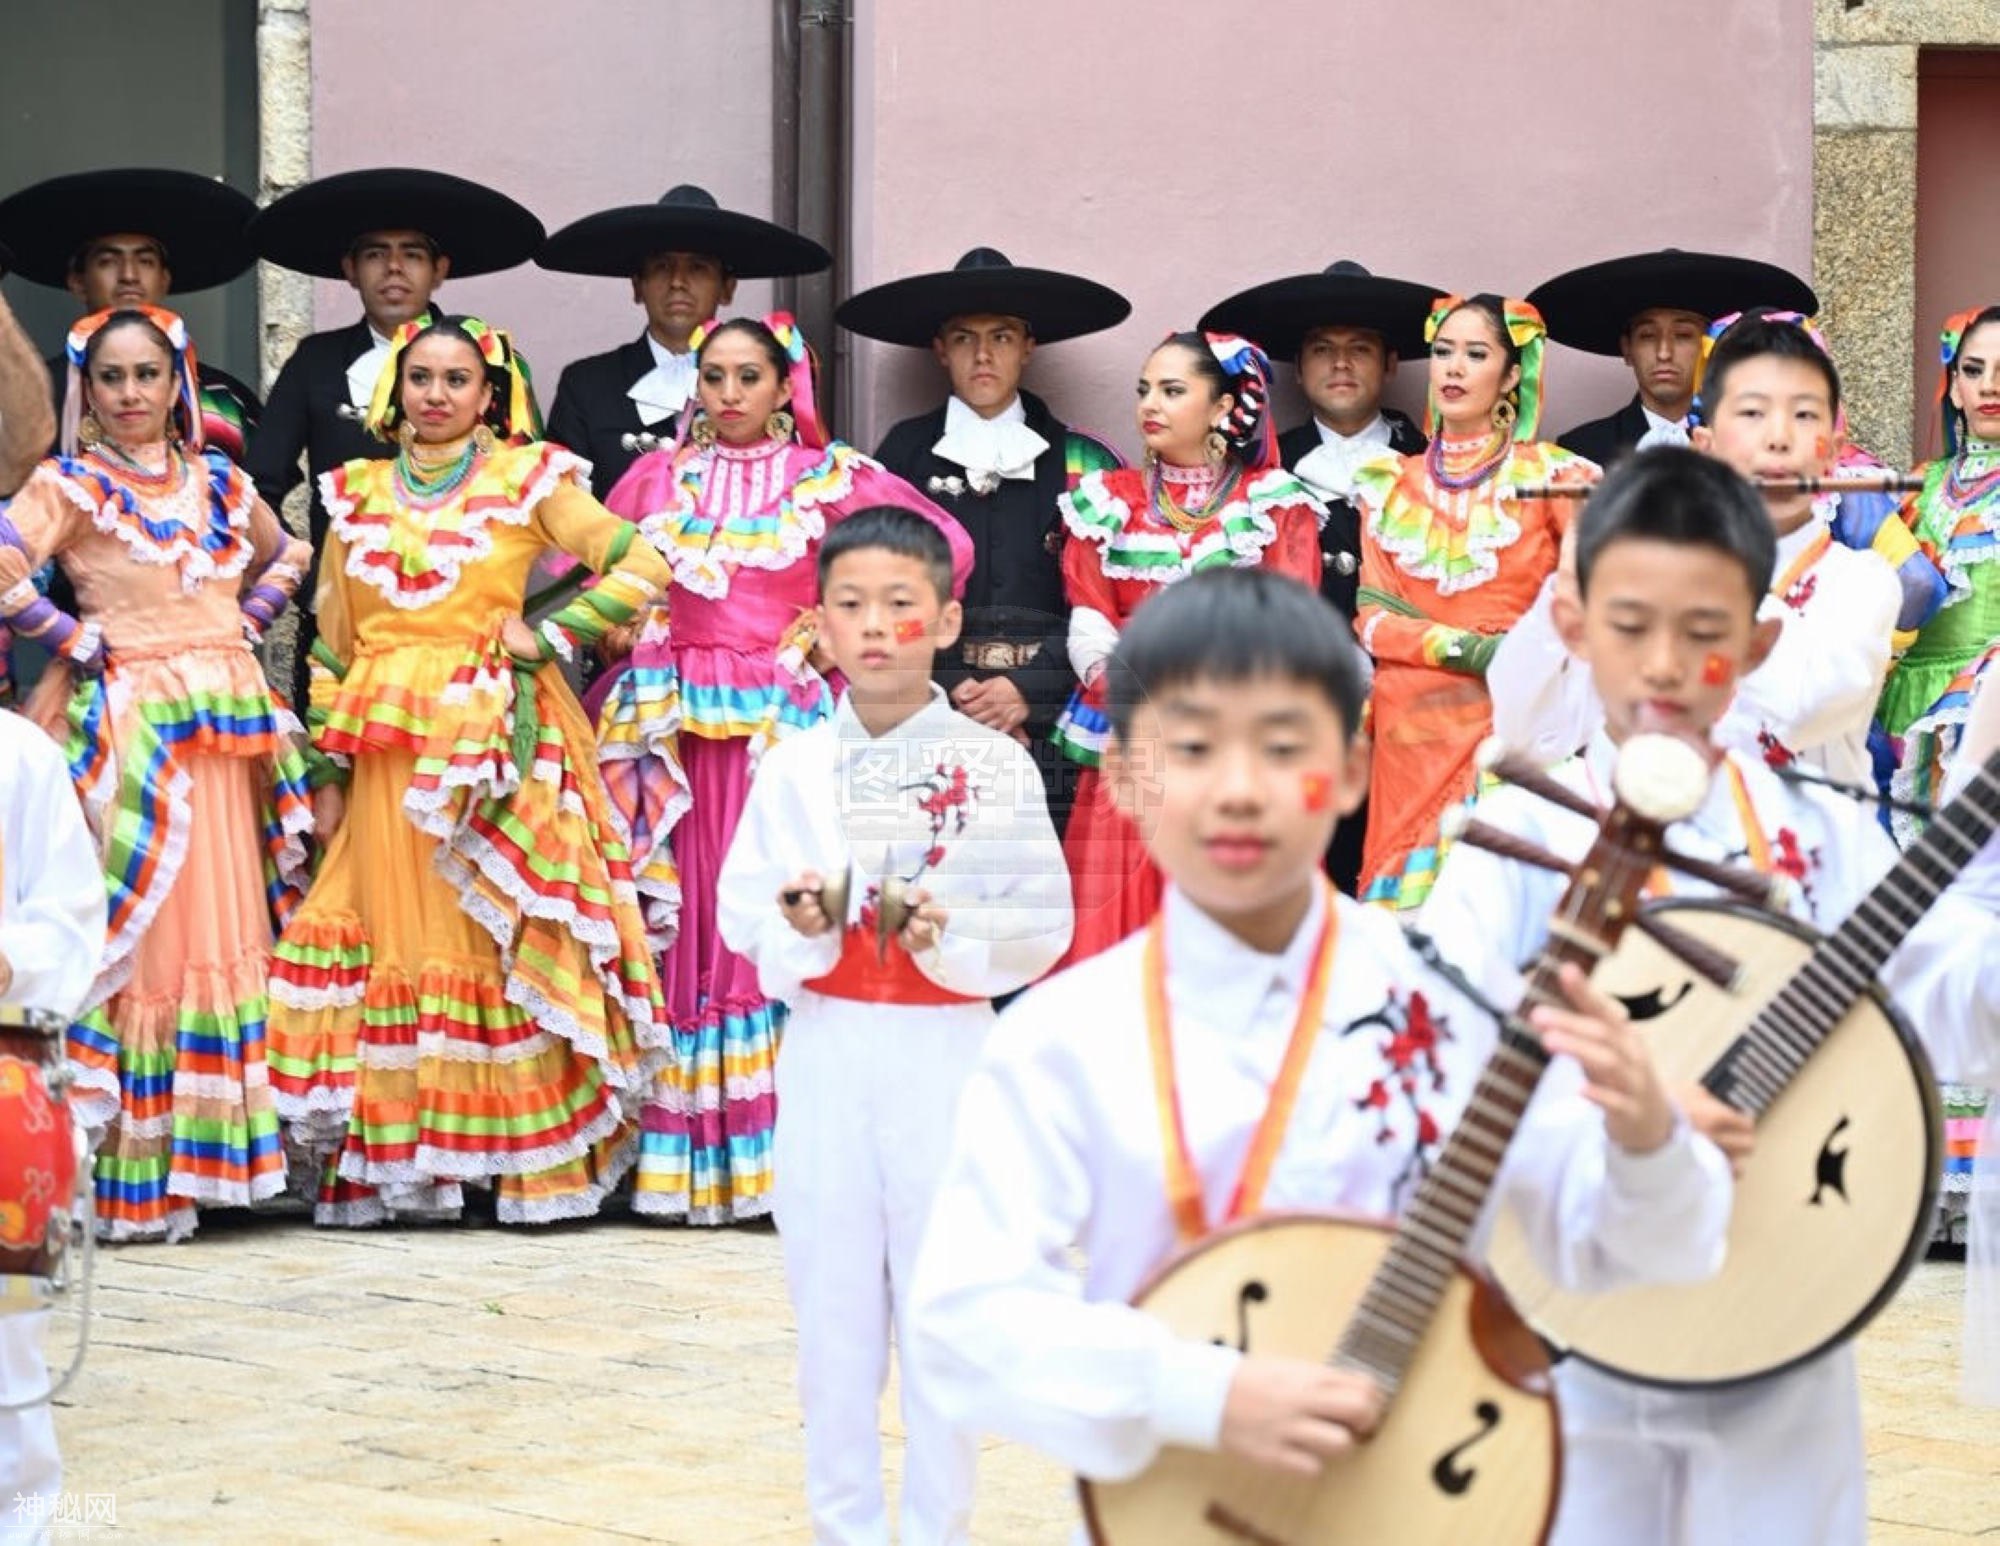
column 1865, row 193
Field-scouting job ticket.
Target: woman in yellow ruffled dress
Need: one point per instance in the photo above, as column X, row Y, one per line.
column 1449, row 562
column 466, row 995
column 194, row 793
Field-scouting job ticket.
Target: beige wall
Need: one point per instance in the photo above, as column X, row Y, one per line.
column 569, row 107
column 1179, row 151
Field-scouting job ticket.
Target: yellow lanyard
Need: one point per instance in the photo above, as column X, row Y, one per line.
column 1184, row 1190
column 1808, row 556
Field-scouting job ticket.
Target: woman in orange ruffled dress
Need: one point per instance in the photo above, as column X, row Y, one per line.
column 1449, row 562
column 193, row 792
column 466, row 995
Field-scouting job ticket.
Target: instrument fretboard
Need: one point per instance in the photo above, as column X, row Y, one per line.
column 1789, row 1029
column 1389, row 1323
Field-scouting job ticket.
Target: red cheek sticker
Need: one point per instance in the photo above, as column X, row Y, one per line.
column 910, row 629
column 1318, row 791
column 1717, row 670
column 1823, row 448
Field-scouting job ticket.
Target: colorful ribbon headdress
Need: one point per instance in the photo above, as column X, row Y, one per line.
column 1950, row 340
column 187, row 397
column 522, row 421
column 1248, row 427
column 1528, row 334
column 803, row 408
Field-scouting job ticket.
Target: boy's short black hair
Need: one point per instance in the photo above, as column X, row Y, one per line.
column 1673, row 494
column 1755, row 337
column 1230, row 625
column 894, row 530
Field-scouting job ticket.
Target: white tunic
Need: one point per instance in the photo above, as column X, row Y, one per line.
column 1780, row 1461
column 1810, row 701
column 52, row 912
column 1058, row 1146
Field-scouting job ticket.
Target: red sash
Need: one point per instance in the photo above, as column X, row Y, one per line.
column 860, row 976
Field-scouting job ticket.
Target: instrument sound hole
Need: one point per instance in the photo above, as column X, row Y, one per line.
column 1252, row 1292
column 1451, row 1477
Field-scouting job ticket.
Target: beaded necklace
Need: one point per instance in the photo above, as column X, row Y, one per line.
column 426, row 488
column 1179, row 516
column 1436, row 457
column 135, row 473
column 1960, row 493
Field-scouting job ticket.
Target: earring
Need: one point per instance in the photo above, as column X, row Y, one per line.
column 1216, row 446
column 1504, row 416
column 89, row 431
column 406, row 434
column 482, row 439
column 779, row 425
column 702, row 432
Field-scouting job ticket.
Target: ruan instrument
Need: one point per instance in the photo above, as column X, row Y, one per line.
column 1469, row 1448
column 1836, row 1201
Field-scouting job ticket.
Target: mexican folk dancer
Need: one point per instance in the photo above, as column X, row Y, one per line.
column 686, row 885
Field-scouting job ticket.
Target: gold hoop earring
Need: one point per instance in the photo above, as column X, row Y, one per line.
column 780, row 425
column 89, row 431
column 702, row 432
column 1216, row 445
column 1503, row 416
column 483, row 439
column 406, row 434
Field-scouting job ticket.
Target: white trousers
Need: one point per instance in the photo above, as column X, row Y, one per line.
column 1780, row 1462
column 866, row 1099
column 30, row 1468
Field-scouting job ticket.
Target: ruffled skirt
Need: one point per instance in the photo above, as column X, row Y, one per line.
column 466, row 994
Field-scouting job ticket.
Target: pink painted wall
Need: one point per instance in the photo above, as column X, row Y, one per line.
column 1178, row 155
column 576, row 107
column 1958, row 117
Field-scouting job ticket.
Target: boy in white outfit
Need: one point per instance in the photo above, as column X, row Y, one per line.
column 958, row 893
column 1119, row 1103
column 1674, row 555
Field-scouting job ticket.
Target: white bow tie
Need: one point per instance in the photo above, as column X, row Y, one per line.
column 989, row 449
column 665, row 389
column 1664, row 435
column 1328, row 468
column 365, row 372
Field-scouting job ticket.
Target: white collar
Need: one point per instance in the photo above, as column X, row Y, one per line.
column 989, row 449
column 366, row 368
column 1328, row 469
column 1206, row 959
column 932, row 719
column 1374, row 434
column 665, row 389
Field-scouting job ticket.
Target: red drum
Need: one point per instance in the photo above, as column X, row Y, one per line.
column 38, row 1158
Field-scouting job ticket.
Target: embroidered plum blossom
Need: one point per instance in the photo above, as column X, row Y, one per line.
column 1802, row 592
column 1414, row 1071
column 947, row 799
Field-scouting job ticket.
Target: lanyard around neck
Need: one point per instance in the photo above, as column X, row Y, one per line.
column 1184, row 1188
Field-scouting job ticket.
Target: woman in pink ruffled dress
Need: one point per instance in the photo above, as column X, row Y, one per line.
column 723, row 667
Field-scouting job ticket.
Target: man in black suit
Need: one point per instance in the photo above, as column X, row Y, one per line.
column 683, row 256
column 133, row 236
column 1346, row 328
column 1652, row 310
column 999, row 460
column 395, row 236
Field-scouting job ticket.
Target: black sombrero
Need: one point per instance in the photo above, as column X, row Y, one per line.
column 1055, row 306
column 1589, row 308
column 1279, row 314
column 617, row 242
column 310, row 229
column 197, row 220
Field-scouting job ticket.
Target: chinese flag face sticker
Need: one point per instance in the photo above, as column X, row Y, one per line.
column 1318, row 791
column 1717, row 669
column 909, row 630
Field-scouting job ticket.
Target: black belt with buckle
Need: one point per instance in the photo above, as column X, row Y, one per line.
column 997, row 654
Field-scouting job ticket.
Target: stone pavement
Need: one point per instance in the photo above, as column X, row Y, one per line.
column 616, row 1382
